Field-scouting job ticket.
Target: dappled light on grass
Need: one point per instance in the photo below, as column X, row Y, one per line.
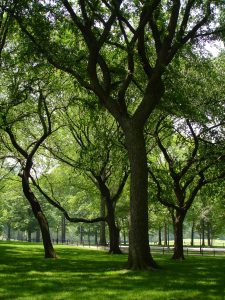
column 86, row 274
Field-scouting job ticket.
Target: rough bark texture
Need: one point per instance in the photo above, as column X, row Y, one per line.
column 178, row 235
column 139, row 250
column 39, row 215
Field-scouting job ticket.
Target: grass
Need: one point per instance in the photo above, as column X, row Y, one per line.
column 90, row 274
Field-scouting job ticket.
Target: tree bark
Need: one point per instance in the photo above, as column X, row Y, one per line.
column 192, row 234
column 178, row 220
column 203, row 233
column 63, row 229
column 209, row 234
column 114, row 238
column 160, row 236
column 39, row 215
column 29, row 234
column 8, row 231
column 81, row 235
column 139, row 251
column 165, row 234
column 102, row 239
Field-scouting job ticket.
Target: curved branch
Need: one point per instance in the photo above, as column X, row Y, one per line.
column 59, row 207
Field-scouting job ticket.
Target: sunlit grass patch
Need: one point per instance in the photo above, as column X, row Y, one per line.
column 89, row 274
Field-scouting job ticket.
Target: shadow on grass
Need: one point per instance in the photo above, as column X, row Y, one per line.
column 86, row 274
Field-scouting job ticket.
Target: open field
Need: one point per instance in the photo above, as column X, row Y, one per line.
column 90, row 274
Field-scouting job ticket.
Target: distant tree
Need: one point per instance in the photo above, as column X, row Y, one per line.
column 189, row 161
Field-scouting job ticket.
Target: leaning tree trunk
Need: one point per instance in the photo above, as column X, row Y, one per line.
column 114, row 233
column 39, row 215
column 178, row 220
column 139, row 250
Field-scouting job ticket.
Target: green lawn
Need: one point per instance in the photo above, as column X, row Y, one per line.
column 92, row 274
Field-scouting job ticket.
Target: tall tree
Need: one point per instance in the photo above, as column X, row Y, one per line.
column 120, row 50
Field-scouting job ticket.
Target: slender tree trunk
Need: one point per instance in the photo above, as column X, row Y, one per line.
column 160, row 236
column 29, row 234
column 165, row 234
column 81, row 235
column 139, row 251
column 178, row 235
column 63, row 229
column 102, row 240
column 38, row 236
column 114, row 233
column 39, row 215
column 124, row 237
column 8, row 231
column 192, row 234
column 209, row 234
column 96, row 236
column 203, row 232
column 89, row 236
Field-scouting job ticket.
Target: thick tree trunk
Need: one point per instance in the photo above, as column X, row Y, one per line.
column 178, row 235
column 102, row 239
column 139, row 250
column 114, row 233
column 39, row 215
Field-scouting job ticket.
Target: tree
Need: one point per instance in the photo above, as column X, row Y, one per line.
column 189, row 162
column 26, row 122
column 120, row 51
column 91, row 146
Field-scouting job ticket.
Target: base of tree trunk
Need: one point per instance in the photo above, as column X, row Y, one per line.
column 50, row 255
column 142, row 263
column 178, row 257
column 115, row 251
